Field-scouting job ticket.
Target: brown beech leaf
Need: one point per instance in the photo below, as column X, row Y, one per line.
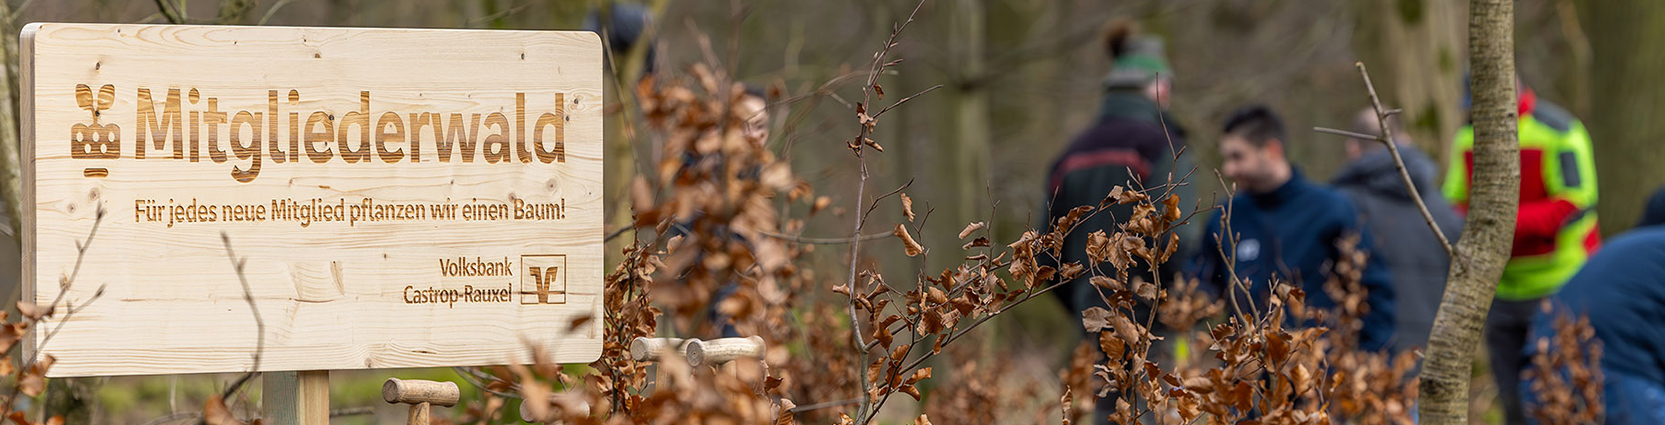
column 1096, row 319
column 1106, row 283
column 1128, row 196
column 1065, row 403
column 821, row 203
column 922, row 420
column 936, row 296
column 537, row 397
column 580, row 321
column 972, row 228
column 920, row 375
column 785, row 416
column 215, row 412
column 1146, row 290
column 1098, row 247
column 34, row 379
column 911, row 391
column 11, row 333
column 907, row 207
column 1171, row 211
column 912, row 248
column 33, row 311
column 1113, row 347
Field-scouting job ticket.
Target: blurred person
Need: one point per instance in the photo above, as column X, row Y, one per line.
column 1555, row 227
column 1287, row 229
column 751, row 108
column 1133, row 143
column 1654, row 212
column 1622, row 292
column 1126, row 146
column 1413, row 254
column 627, row 24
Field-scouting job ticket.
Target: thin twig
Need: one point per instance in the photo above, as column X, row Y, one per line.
column 827, row 241
column 352, row 411
column 905, row 100
column 167, row 12
column 64, row 287
column 1386, row 139
column 858, row 146
column 272, row 11
column 1345, row 133
column 238, row 264
column 818, row 406
column 468, row 374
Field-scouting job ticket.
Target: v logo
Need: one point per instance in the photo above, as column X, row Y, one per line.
column 543, row 283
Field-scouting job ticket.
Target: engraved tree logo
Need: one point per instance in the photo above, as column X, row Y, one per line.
column 95, row 141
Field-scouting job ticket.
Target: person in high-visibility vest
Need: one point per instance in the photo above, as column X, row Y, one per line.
column 1555, row 229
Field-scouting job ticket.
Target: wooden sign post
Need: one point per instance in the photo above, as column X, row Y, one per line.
column 402, row 198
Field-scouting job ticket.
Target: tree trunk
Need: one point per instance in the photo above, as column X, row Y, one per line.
column 11, row 186
column 963, row 167
column 1625, row 39
column 1413, row 46
column 1489, row 231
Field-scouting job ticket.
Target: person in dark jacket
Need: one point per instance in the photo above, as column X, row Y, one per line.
column 1134, row 143
column 1413, row 255
column 1285, row 228
column 1622, row 291
column 1127, row 145
column 1654, row 212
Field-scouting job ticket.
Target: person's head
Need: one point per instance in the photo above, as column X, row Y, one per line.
column 1137, row 62
column 753, row 109
column 1252, row 149
column 1366, row 122
column 627, row 24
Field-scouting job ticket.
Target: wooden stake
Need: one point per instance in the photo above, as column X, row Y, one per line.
column 655, row 350
column 421, row 396
column 419, row 414
column 296, row 398
column 723, row 350
column 649, row 349
column 566, row 403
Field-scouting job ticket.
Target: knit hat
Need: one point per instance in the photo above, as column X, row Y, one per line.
column 627, row 25
column 1135, row 60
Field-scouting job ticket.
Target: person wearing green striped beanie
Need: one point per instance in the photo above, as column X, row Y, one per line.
column 1132, row 139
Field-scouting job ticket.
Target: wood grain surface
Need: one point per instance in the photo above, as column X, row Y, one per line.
column 421, row 258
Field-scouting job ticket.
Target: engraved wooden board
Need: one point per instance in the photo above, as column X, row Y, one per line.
column 404, row 198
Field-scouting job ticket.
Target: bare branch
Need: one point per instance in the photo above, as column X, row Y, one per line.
column 866, row 123
column 238, row 263
column 1399, row 163
column 905, row 100
column 1345, row 133
column 827, row 241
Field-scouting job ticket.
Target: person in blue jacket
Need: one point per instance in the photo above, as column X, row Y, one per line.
column 1287, row 229
column 1622, row 291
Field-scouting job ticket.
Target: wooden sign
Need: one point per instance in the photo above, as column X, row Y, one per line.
column 404, row 198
